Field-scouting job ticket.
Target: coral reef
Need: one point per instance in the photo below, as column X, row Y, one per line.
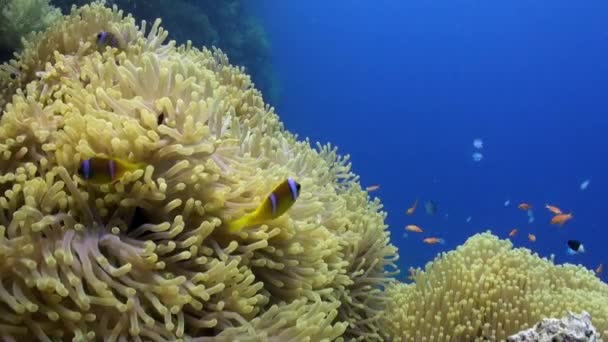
column 572, row 328
column 227, row 25
column 19, row 18
column 487, row 290
column 147, row 258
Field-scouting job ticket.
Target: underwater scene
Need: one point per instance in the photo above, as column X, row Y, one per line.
column 303, row 170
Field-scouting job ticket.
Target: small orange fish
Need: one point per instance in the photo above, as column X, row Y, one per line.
column 372, row 188
column 561, row 219
column 599, row 269
column 433, row 241
column 413, row 228
column 411, row 210
column 555, row 210
column 532, row 237
column 513, row 233
column 524, row 206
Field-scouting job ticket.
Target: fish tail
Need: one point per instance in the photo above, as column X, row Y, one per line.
column 238, row 224
column 130, row 166
column 441, row 241
column 136, row 166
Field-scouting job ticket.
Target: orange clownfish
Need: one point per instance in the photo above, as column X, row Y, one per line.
column 561, row 219
column 411, row 210
column 433, row 241
column 532, row 237
column 102, row 170
column 275, row 205
column 555, row 210
column 524, row 206
column 513, row 233
column 413, row 228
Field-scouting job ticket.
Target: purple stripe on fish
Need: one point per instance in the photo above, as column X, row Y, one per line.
column 86, row 169
column 273, row 203
column 112, row 168
column 101, row 37
column 293, row 186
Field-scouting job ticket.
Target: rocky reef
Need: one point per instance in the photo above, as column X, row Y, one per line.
column 572, row 328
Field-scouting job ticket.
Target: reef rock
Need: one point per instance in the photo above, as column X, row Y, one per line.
column 573, row 328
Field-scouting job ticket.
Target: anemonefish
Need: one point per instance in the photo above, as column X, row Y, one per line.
column 433, row 241
column 561, row 219
column 101, row 170
column 532, row 237
column 275, row 205
column 524, row 206
column 513, row 233
column 105, row 38
column 412, row 209
column 553, row 209
column 575, row 247
column 372, row 188
column 413, row 228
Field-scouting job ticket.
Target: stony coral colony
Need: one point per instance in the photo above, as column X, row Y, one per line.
column 147, row 257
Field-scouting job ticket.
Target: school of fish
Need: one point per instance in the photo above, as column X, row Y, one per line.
column 558, row 218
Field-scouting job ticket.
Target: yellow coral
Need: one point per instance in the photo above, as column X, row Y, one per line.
column 486, row 290
column 148, row 258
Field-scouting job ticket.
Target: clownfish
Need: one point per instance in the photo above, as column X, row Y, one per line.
column 105, row 38
column 101, row 170
column 275, row 205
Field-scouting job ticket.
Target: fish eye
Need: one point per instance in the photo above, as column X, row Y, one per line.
column 298, row 186
column 13, row 75
column 99, row 35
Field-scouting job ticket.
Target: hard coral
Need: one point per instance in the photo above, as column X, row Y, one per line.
column 486, row 290
column 147, row 258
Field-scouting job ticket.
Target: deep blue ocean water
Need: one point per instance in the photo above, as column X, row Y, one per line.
column 405, row 86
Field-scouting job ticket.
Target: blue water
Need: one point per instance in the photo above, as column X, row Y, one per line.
column 405, row 86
